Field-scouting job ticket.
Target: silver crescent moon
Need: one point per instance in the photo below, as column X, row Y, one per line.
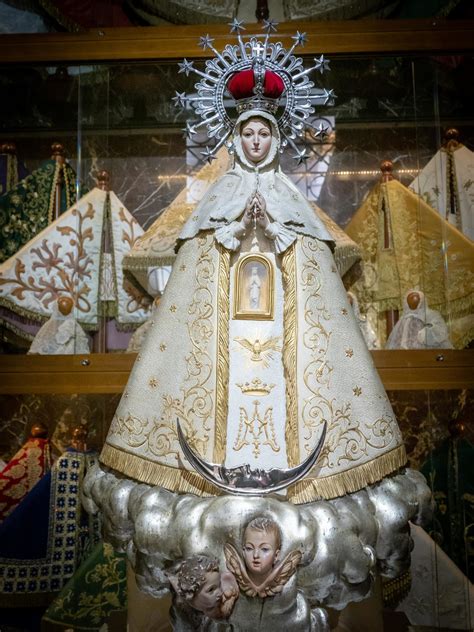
column 244, row 480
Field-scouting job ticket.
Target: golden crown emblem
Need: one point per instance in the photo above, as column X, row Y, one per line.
column 256, row 387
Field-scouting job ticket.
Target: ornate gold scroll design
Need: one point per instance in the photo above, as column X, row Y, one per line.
column 194, row 409
column 196, row 406
column 289, row 354
column 222, row 356
column 316, row 337
column 345, row 443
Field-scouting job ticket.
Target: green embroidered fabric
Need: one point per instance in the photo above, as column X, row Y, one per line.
column 29, row 206
column 98, row 588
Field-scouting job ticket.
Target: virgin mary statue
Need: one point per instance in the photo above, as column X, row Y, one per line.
column 254, row 348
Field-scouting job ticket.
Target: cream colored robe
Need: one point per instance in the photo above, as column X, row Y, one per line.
column 255, row 386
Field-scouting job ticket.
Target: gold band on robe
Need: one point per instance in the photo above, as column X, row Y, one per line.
column 289, row 355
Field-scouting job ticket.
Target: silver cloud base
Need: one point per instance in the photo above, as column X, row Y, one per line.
column 344, row 542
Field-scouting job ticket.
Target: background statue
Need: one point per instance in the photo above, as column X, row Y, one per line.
column 61, row 334
column 419, row 326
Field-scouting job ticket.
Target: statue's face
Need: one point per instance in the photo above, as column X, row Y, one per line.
column 260, row 551
column 65, row 305
column 210, row 594
column 256, row 139
column 413, row 300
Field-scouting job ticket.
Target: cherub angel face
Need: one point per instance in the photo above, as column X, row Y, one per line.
column 260, row 548
column 210, row 593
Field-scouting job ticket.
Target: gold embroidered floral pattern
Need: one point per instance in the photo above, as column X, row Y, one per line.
column 316, row 408
column 194, row 409
column 345, row 441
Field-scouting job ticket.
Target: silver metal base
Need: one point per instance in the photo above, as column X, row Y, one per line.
column 342, row 542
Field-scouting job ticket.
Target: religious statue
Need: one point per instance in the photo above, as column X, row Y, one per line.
column 419, row 326
column 254, row 380
column 61, row 334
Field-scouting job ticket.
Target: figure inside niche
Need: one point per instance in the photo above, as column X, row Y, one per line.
column 258, row 571
column 254, row 288
column 366, row 328
column 419, row 327
column 61, row 334
column 199, row 582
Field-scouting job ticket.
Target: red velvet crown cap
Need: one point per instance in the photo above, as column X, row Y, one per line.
column 242, row 83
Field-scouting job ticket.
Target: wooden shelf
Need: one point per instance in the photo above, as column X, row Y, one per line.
column 108, row 373
column 429, row 36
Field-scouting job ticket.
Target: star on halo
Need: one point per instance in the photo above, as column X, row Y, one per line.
column 186, row 67
column 205, row 41
column 189, row 130
column 300, row 38
column 208, row 154
column 301, row 156
column 180, row 99
column 322, row 64
column 328, row 96
column 236, row 26
column 270, row 26
column 321, row 131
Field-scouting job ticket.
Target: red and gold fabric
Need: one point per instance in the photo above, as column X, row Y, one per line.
column 22, row 473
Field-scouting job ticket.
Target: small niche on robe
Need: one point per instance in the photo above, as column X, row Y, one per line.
column 254, row 288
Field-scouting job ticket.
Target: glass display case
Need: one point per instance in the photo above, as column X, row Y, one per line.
column 99, row 175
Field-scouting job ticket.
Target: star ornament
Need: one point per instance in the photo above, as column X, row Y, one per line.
column 321, row 64
column 186, row 67
column 180, row 99
column 205, row 42
column 208, row 154
column 301, row 156
column 300, row 38
column 328, row 96
column 321, row 131
column 270, row 26
column 189, row 130
column 236, row 26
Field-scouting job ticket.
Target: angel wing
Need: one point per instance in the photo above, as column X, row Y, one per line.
column 236, row 566
column 274, row 583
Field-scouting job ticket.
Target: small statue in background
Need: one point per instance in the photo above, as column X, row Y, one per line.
column 419, row 326
column 200, row 584
column 61, row 334
column 366, row 328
